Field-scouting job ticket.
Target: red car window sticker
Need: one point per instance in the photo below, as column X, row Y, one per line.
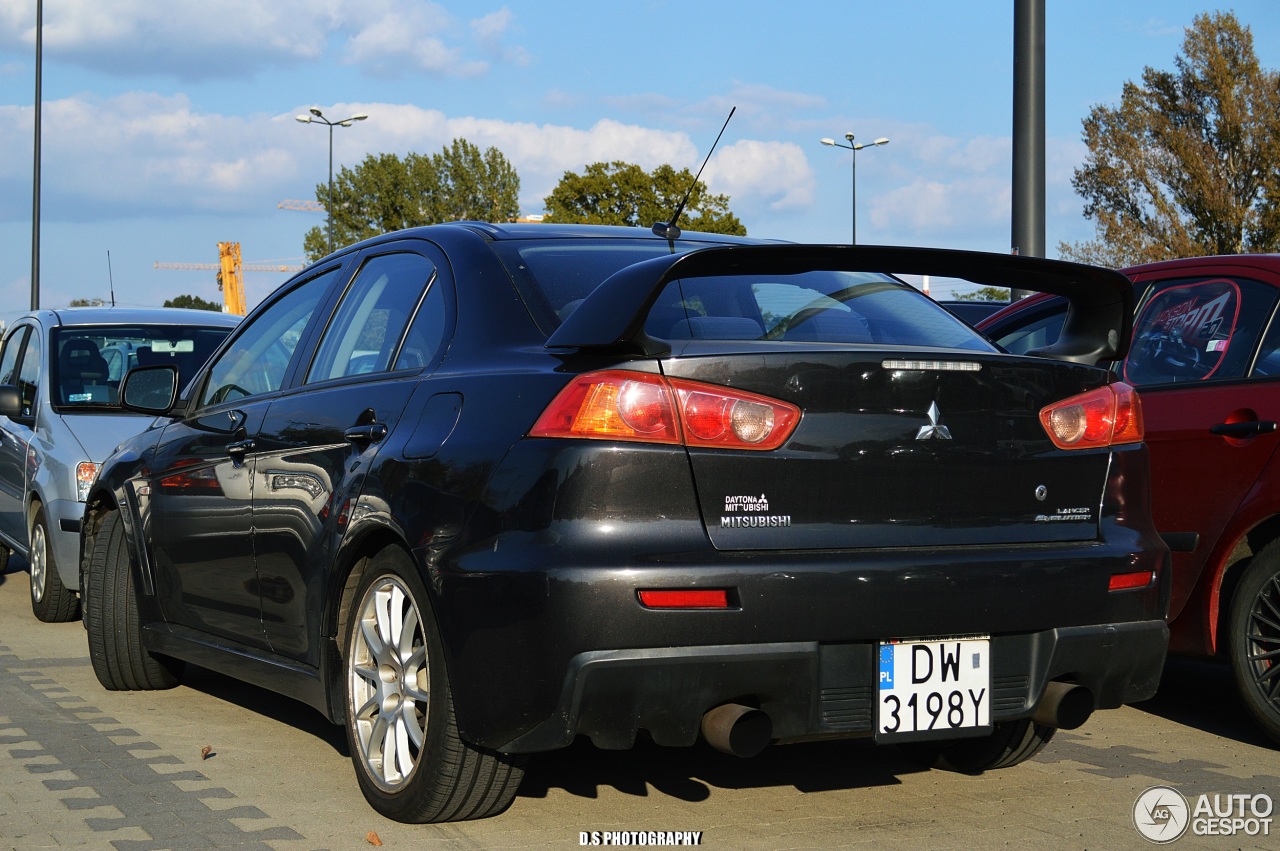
column 1186, row 328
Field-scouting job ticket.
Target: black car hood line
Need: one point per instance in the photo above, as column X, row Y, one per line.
column 1097, row 325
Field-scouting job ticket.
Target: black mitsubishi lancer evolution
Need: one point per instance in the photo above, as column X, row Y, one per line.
column 475, row 490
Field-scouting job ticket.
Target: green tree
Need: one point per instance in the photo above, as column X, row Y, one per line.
column 86, row 302
column 984, row 294
column 192, row 301
column 619, row 193
column 386, row 193
column 1187, row 164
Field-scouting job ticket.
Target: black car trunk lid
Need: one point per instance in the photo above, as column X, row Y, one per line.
column 898, row 449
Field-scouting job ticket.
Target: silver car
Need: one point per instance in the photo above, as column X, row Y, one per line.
column 60, row 417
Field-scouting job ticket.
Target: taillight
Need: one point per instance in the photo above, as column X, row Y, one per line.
column 638, row 406
column 1106, row 416
column 612, row 405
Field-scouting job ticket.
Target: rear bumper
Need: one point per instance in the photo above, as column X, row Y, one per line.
column 811, row 689
column 545, row 637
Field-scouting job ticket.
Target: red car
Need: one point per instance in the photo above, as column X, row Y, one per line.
column 1206, row 357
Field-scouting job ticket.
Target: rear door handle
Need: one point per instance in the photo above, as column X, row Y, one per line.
column 1245, row 429
column 371, row 433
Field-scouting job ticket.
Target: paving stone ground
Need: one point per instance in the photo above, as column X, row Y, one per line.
column 85, row 768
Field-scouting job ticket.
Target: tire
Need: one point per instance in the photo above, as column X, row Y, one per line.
column 51, row 601
column 111, row 618
column 1254, row 639
column 1012, row 742
column 5, row 552
column 397, row 694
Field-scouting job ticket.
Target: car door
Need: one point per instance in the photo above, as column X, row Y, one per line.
column 320, row 437
column 199, row 513
column 15, row 438
column 1211, row 426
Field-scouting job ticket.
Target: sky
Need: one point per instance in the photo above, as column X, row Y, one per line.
column 170, row 127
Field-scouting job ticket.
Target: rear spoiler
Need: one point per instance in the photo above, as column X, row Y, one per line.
column 1098, row 324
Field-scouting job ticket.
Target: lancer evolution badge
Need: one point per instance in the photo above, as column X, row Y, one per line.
column 933, row 431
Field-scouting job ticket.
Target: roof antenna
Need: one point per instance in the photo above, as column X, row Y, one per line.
column 669, row 229
column 111, row 281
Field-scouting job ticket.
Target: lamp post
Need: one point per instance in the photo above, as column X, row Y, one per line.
column 35, row 169
column 853, row 194
column 317, row 117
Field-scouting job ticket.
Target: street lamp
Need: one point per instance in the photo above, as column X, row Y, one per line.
column 853, row 195
column 317, row 117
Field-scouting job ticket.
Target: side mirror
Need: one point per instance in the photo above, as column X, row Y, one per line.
column 150, row 389
column 10, row 401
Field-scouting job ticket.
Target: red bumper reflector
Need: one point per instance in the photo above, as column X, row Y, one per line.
column 685, row 599
column 1125, row 581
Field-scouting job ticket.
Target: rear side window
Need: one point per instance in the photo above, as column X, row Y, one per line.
column 1197, row 330
column 811, row 307
column 371, row 319
column 426, row 333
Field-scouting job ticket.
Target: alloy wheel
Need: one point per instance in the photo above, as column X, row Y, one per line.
column 388, row 685
column 38, row 562
column 1262, row 640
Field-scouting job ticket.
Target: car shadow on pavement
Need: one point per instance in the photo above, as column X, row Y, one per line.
column 266, row 703
column 689, row 773
column 1202, row 694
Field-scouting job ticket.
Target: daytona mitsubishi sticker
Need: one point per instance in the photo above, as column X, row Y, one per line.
column 750, row 512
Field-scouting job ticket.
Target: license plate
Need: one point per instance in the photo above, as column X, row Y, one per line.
column 934, row 688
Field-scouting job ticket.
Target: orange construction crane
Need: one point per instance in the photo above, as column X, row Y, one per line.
column 229, row 277
column 230, row 271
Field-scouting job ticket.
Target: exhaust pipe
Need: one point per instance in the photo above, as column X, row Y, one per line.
column 1064, row 705
column 737, row 730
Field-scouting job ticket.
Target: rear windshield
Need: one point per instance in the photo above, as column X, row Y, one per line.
column 89, row 362
column 554, row 276
column 810, row 307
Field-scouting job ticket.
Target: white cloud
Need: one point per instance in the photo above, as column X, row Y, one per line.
column 185, row 38
column 196, row 39
column 158, row 155
column 939, row 208
column 761, row 105
column 541, row 153
column 490, row 33
column 776, row 173
column 155, row 155
column 406, row 37
column 1160, row 29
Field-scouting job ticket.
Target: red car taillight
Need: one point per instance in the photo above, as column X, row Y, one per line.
column 637, row 406
column 1106, row 416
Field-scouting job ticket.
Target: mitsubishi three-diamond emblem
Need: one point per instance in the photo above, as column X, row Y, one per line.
column 933, row 431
